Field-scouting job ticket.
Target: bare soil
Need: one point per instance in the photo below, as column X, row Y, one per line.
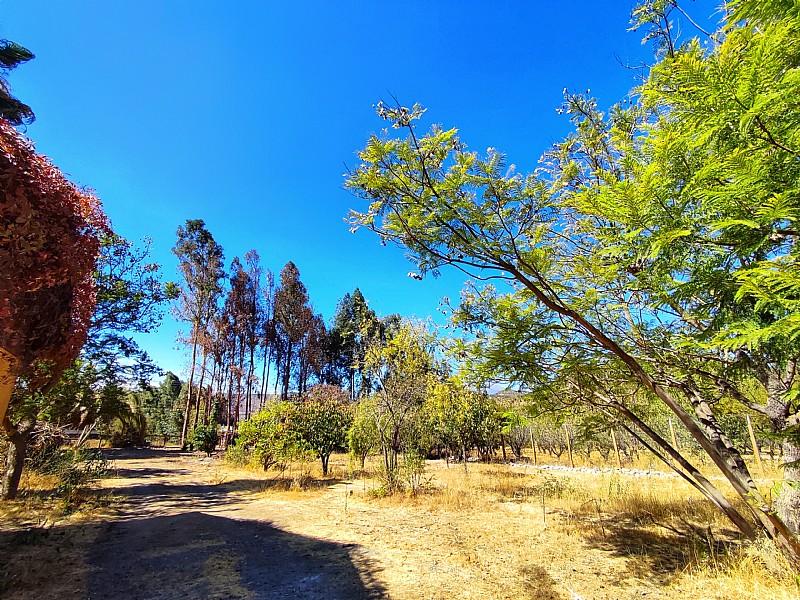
column 183, row 526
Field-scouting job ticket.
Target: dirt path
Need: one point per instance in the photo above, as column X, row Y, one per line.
column 184, row 532
column 188, row 527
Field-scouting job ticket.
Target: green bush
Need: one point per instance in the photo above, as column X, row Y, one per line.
column 75, row 468
column 205, row 438
column 237, row 455
column 268, row 434
column 128, row 430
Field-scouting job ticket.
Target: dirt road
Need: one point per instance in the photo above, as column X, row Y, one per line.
column 179, row 537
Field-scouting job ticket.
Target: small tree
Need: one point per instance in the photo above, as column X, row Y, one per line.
column 205, row 438
column 322, row 421
column 269, row 436
column 362, row 438
column 403, row 369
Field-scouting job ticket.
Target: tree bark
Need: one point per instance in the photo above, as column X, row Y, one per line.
column 15, row 459
column 185, row 427
column 199, row 393
column 788, row 503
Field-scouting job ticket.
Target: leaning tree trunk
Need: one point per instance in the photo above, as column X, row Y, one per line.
column 15, row 458
column 717, row 450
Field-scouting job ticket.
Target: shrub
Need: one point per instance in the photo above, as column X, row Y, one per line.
column 237, row 455
column 75, row 468
column 362, row 438
column 128, row 430
column 205, row 438
column 268, row 434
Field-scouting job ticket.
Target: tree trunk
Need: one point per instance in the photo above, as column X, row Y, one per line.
column 788, row 503
column 185, row 427
column 15, row 459
column 689, row 473
column 200, row 387
column 287, row 370
column 778, row 409
column 717, row 449
column 229, row 431
column 250, row 372
column 325, row 465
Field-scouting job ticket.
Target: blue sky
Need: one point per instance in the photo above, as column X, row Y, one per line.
column 246, row 114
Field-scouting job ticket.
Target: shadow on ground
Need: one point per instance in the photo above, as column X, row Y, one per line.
column 539, row 584
column 143, row 453
column 659, row 554
column 195, row 555
column 184, row 557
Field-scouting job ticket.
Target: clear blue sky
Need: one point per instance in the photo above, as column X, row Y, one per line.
column 244, row 114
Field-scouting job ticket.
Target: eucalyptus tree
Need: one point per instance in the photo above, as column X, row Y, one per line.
column 253, row 318
column 312, row 354
column 200, row 262
column 659, row 236
column 236, row 316
column 266, row 338
column 293, row 318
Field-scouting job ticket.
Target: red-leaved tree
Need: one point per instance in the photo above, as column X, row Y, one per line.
column 49, row 244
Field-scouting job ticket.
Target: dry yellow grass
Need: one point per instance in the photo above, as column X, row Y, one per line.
column 496, row 531
column 656, row 527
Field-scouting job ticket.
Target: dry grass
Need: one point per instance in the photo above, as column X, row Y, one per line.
column 657, row 527
column 495, row 531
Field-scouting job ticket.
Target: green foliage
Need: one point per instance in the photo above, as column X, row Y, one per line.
column 362, row 437
column 81, row 467
column 237, row 455
column 163, row 407
column 355, row 326
column 403, row 368
column 462, row 419
column 268, row 435
column 12, row 110
column 651, row 261
column 322, row 421
column 127, row 430
column 75, row 468
column 205, row 438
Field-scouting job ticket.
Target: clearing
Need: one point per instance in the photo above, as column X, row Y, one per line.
column 179, row 525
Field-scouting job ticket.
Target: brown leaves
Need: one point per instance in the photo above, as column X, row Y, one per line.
column 49, row 230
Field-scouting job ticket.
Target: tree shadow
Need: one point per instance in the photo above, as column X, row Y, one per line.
column 159, row 497
column 147, row 472
column 196, row 555
column 539, row 584
column 660, row 553
column 191, row 555
column 121, row 454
